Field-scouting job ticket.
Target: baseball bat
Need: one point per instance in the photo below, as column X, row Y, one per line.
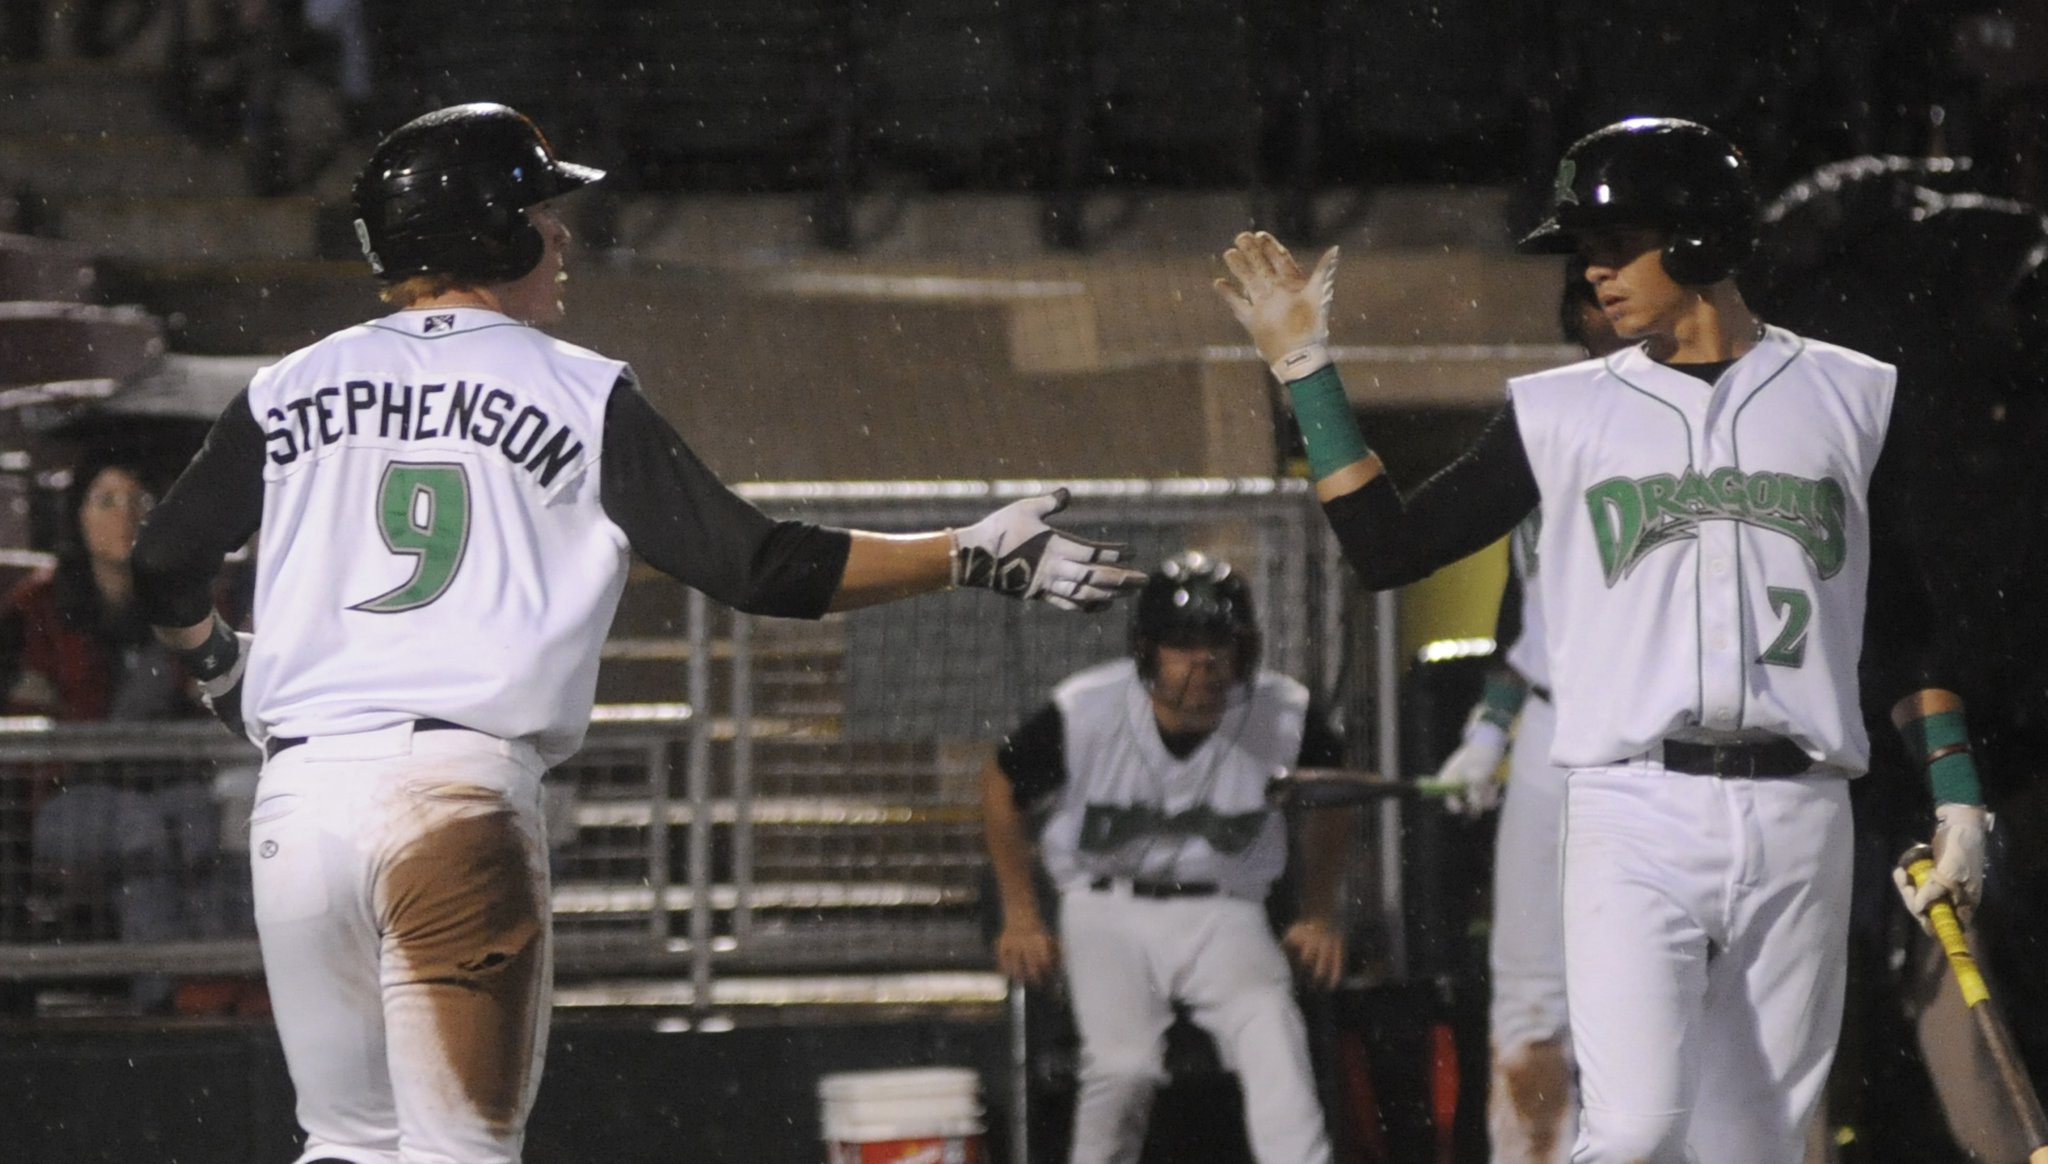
column 1340, row 787
column 2012, row 1073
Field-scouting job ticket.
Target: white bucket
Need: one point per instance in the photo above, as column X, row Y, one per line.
column 929, row 1115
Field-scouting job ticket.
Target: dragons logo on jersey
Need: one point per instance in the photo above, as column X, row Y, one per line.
column 1631, row 518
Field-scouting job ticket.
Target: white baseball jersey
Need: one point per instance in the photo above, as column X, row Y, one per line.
column 1709, row 546
column 1130, row 808
column 451, row 460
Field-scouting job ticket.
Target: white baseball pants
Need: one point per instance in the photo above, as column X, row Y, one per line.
column 402, row 903
column 1706, row 927
column 1532, row 1098
column 1128, row 959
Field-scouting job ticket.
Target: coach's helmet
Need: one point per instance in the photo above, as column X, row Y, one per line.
column 1194, row 600
column 1677, row 176
column 447, row 194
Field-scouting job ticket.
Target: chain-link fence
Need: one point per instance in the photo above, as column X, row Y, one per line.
column 779, row 796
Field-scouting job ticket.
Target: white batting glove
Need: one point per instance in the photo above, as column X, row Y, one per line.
column 1012, row 551
column 1286, row 311
column 1475, row 766
column 1962, row 834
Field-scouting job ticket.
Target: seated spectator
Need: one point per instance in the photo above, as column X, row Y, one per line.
column 129, row 851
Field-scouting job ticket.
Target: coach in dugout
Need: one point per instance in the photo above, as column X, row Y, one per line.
column 448, row 501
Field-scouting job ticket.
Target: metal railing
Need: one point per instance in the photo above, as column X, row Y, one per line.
column 800, row 798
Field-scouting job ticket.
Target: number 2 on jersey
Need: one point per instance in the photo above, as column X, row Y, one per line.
column 1789, row 648
column 423, row 512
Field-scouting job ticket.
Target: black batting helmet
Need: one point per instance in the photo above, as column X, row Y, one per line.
column 447, row 194
column 1677, row 176
column 1192, row 600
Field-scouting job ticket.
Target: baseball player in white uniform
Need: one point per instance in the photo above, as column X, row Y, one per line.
column 1710, row 501
column 448, row 501
column 1150, row 775
column 1532, row 1089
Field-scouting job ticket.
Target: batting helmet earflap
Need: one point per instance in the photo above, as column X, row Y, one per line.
column 447, row 194
column 1678, row 176
column 1193, row 599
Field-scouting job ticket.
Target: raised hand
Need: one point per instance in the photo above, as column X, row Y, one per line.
column 1285, row 310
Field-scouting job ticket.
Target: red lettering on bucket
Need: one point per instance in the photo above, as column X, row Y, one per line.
column 924, row 1150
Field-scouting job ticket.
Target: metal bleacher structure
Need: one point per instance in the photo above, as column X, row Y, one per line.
column 769, row 800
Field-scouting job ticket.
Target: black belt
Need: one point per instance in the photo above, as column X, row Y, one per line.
column 278, row 744
column 1159, row 888
column 1540, row 691
column 1779, row 757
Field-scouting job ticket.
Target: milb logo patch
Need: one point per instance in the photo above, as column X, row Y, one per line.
column 1631, row 518
column 436, row 323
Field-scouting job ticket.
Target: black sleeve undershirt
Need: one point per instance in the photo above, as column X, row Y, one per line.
column 1392, row 540
column 1923, row 624
column 689, row 525
column 1034, row 757
column 1321, row 746
column 212, row 510
column 674, row 511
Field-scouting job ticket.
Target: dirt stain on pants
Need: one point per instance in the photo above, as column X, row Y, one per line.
column 464, row 912
column 1533, row 1083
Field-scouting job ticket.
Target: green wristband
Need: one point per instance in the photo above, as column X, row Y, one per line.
column 1953, row 780
column 1328, row 430
column 1501, row 701
column 1940, row 742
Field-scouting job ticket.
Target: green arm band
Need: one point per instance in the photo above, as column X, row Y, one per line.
column 1501, row 701
column 1328, row 430
column 1940, row 742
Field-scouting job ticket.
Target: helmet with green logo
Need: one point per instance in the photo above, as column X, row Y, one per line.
column 1679, row 177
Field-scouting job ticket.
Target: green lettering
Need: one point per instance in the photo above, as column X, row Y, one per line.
column 1764, row 493
column 1795, row 500
column 1830, row 544
column 1727, row 488
column 1670, row 496
column 1616, row 506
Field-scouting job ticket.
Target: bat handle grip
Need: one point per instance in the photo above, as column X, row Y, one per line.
column 1941, row 915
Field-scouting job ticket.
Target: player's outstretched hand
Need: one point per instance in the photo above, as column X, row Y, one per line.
column 1962, row 835
column 1027, row 953
column 1012, row 551
column 1284, row 309
column 1318, row 949
column 1474, row 767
